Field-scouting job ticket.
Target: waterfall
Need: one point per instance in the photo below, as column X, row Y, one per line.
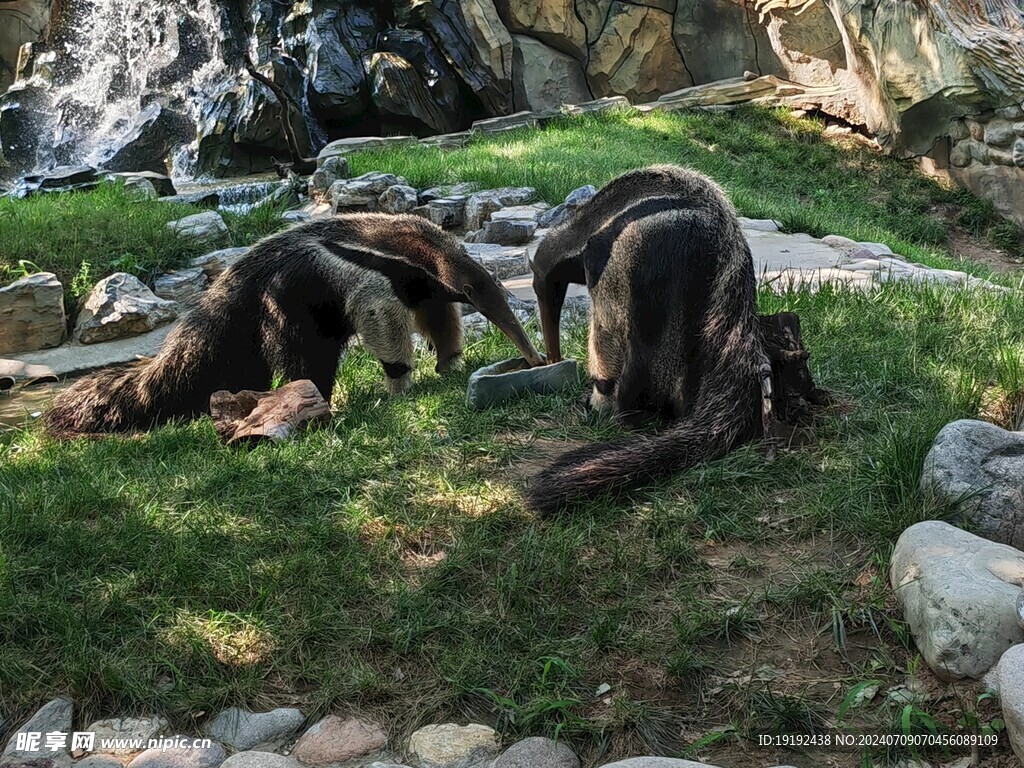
column 127, row 54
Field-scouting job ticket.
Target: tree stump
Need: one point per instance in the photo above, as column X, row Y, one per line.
column 254, row 417
column 795, row 396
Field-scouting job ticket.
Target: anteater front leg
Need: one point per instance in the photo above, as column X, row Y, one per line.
column 441, row 323
column 386, row 331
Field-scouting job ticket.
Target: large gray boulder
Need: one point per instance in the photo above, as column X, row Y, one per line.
column 657, row 762
column 120, row 306
column 120, row 731
column 184, row 286
column 206, row 228
column 481, row 205
column 32, row 314
column 181, row 756
column 401, row 95
column 979, row 467
column 959, row 595
column 1010, row 674
column 54, row 716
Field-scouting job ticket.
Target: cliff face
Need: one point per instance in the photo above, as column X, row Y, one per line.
column 903, row 68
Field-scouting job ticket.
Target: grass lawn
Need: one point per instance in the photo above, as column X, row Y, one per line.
column 385, row 565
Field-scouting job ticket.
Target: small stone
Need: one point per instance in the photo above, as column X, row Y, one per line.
column 501, row 261
column 161, row 182
column 1011, row 694
column 260, row 760
column 999, row 133
column 979, row 152
column 120, row 306
column 296, row 217
column 99, row 761
column 958, row 130
column 537, row 752
column 32, row 314
column 760, row 225
column 334, row 739
column 750, row 76
column 398, row 199
column 453, row 746
column 554, row 217
column 977, row 129
column 505, row 123
column 332, row 170
column 241, row 729
column 53, row 716
column 1018, row 153
column 215, row 262
column 140, row 729
column 481, row 205
column 207, row 228
column 1018, row 128
column 959, row 595
column 657, row 762
column 462, row 189
column 1012, row 112
column 183, row 286
column 181, row 756
column 1001, row 157
column 359, row 144
column 141, row 188
column 448, row 213
column 494, row 384
column 508, row 232
column 960, row 155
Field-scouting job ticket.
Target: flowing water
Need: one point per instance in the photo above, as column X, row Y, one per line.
column 128, row 52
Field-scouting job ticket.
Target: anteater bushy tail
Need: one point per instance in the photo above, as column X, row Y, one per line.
column 175, row 384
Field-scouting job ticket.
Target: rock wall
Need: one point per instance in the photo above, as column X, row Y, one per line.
column 908, row 70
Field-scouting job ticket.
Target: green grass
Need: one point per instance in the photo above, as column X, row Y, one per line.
column 385, row 563
column 771, row 164
column 83, row 237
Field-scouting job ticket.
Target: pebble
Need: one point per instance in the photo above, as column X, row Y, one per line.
column 334, row 739
column 537, row 752
column 141, row 728
column 53, row 716
column 453, row 746
column 241, row 729
column 181, row 757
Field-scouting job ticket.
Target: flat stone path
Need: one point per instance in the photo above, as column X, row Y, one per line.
column 787, row 261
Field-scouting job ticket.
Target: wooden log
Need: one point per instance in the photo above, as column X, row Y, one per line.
column 253, row 417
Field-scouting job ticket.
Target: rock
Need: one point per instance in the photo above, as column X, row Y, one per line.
column 1010, row 673
column 68, row 178
column 960, row 155
column 999, row 133
column 32, row 314
column 481, row 205
column 183, row 286
column 439, row 79
column 978, row 467
column 241, row 729
column 215, row 262
column 1018, row 153
column 501, row 261
column 398, row 199
column 333, row 740
column 54, row 716
column 172, row 756
column 332, row 170
column 958, row 595
column 259, row 760
column 1020, row 609
column 141, row 188
column 448, row 213
column 657, row 762
column 635, row 55
column 556, row 21
column 296, row 217
column 760, row 225
column 494, row 384
column 98, row 761
column 544, row 78
column 120, row 306
column 254, row 417
column 400, row 94
column 161, row 182
column 147, row 141
column 128, row 728
column 537, row 752
column 460, row 190
column 203, row 199
column 508, row 231
column 207, row 228
column 554, row 217
column 597, row 106
column 504, row 123
column 476, row 44
column 363, row 192
column 360, row 144
column 453, row 746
